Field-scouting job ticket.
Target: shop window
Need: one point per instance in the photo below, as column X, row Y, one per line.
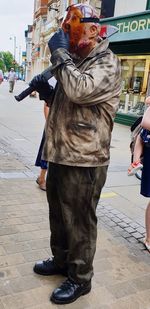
column 135, row 71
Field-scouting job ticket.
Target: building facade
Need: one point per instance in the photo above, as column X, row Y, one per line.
column 28, row 60
column 48, row 15
column 131, row 43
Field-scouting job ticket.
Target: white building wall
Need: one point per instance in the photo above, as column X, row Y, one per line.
column 125, row 7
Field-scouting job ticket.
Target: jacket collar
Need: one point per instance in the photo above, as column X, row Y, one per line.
column 100, row 47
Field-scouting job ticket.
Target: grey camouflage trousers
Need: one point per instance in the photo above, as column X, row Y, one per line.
column 73, row 194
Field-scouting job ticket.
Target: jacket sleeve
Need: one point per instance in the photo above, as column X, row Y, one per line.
column 94, row 85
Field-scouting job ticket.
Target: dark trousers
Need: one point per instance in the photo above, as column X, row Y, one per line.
column 73, row 194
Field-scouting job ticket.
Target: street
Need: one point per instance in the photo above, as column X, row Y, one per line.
column 121, row 265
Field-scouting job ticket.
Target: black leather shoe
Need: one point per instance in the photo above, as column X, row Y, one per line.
column 48, row 268
column 69, row 291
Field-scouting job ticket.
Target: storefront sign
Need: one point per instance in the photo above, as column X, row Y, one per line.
column 134, row 25
column 131, row 23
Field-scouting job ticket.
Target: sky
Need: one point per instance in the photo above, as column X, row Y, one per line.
column 15, row 16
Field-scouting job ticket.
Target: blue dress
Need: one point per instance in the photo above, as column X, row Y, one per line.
column 39, row 161
column 145, row 181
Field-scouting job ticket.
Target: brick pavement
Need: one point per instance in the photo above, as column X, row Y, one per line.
column 122, row 266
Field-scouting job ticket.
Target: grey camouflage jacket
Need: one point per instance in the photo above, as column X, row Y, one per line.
column 78, row 130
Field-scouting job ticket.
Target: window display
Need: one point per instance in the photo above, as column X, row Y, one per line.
column 135, row 72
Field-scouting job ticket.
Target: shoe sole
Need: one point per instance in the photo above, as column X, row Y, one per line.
column 147, row 247
column 42, row 188
column 56, row 301
column 136, row 169
column 40, row 185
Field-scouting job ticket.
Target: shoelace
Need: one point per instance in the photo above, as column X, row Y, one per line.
column 69, row 283
column 47, row 261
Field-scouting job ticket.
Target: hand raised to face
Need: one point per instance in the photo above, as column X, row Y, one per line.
column 59, row 40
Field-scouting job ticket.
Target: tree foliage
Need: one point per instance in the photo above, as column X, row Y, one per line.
column 6, row 61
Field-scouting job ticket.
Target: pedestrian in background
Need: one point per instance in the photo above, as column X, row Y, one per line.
column 1, row 76
column 138, row 147
column 11, row 79
column 145, row 181
column 41, row 179
column 77, row 146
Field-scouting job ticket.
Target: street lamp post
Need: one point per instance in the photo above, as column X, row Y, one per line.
column 14, row 45
column 15, row 48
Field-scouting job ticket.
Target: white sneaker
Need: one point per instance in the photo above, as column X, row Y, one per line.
column 134, row 167
column 147, row 246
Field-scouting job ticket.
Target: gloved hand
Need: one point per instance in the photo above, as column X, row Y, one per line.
column 41, row 85
column 59, row 40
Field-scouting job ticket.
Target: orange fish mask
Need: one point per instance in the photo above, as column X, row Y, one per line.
column 75, row 24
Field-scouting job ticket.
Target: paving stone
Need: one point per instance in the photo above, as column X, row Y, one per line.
column 105, row 211
column 139, row 245
column 140, row 229
column 40, row 244
column 112, row 224
column 18, row 301
column 44, row 305
column 122, row 289
column 121, row 240
column 5, row 288
column 99, row 214
column 134, row 225
column 2, row 251
column 123, row 224
column 16, row 248
column 102, row 265
column 31, row 298
column 117, row 229
column 115, row 212
column 137, row 235
column 102, row 253
column 129, row 229
column 8, row 231
column 27, row 236
column 131, row 302
column 111, row 215
column 1, row 305
column 142, row 282
column 34, row 255
column 109, row 208
column 25, row 269
column 9, row 272
column 144, row 297
column 116, row 220
column 11, row 221
column 106, row 220
column 28, row 227
column 11, row 260
column 127, row 220
column 121, row 216
column 33, row 219
column 132, row 240
column 99, row 296
column 124, row 234
column 23, row 284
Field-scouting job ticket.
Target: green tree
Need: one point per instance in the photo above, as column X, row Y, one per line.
column 2, row 63
column 6, row 61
